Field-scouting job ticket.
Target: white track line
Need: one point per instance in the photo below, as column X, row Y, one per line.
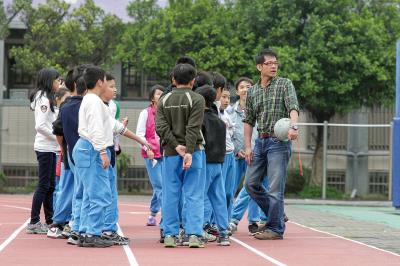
column 131, row 258
column 259, row 253
column 17, row 207
column 13, row 236
column 348, row 239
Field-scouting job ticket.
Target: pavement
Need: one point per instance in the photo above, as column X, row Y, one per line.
column 373, row 223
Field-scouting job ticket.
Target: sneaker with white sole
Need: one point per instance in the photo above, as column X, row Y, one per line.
column 37, row 228
column 223, row 240
column 151, row 221
column 233, row 227
column 55, row 232
column 116, row 238
column 74, row 238
column 195, row 242
column 66, row 231
column 169, row 241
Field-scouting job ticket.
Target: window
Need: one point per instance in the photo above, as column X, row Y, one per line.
column 136, row 83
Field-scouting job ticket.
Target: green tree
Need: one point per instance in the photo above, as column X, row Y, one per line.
column 339, row 54
column 8, row 13
column 62, row 38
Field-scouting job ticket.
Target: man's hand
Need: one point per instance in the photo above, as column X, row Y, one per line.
column 293, row 134
column 248, row 155
column 150, row 154
column 181, row 150
column 105, row 160
column 187, row 161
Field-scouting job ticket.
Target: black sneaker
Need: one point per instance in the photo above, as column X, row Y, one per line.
column 74, row 238
column 253, row 228
column 223, row 240
column 212, row 230
column 96, row 242
column 162, row 236
column 116, row 239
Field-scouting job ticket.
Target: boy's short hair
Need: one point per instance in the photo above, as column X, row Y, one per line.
column 69, row 81
column 185, row 60
column 93, row 74
column 218, row 80
column 202, row 78
column 241, row 79
column 109, row 77
column 183, row 73
column 209, row 94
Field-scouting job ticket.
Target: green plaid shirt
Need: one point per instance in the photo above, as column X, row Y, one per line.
column 267, row 105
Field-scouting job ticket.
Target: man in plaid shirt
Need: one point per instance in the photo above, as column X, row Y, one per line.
column 271, row 99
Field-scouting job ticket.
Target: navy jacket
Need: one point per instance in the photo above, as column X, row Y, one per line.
column 70, row 121
column 214, row 132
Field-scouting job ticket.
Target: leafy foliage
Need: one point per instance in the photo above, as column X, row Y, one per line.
column 62, row 38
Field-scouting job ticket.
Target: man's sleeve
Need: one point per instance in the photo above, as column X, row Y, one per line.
column 194, row 124
column 291, row 102
column 163, row 128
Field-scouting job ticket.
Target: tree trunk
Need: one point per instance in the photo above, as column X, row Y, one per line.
column 317, row 162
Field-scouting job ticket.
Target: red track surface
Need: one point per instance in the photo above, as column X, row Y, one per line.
column 301, row 246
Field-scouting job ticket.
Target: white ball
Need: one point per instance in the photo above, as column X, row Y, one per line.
column 281, row 129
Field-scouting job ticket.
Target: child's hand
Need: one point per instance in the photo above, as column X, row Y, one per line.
column 181, row 150
column 150, row 154
column 125, row 121
column 105, row 160
column 187, row 161
column 241, row 154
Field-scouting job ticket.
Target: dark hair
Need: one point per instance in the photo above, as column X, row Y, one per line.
column 61, row 92
column 209, row 94
column 219, row 81
column 80, row 86
column 93, row 74
column 202, row 78
column 69, row 81
column 243, row 79
column 153, row 91
column 185, row 60
column 78, row 71
column 44, row 84
column 109, row 77
column 183, row 73
column 260, row 58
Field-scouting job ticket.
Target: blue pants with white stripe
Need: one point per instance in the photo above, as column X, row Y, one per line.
column 189, row 183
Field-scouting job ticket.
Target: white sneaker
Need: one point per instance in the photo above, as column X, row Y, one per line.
column 232, row 227
column 54, row 232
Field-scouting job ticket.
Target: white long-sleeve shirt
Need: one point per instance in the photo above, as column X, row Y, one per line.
column 225, row 116
column 45, row 140
column 95, row 123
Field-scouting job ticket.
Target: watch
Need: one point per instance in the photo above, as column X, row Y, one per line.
column 294, row 127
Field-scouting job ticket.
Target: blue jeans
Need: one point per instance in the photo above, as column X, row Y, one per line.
column 189, row 183
column 228, row 173
column 96, row 187
column 215, row 193
column 243, row 201
column 63, row 206
column 270, row 158
column 155, row 175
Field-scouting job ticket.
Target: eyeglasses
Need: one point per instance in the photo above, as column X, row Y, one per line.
column 271, row 63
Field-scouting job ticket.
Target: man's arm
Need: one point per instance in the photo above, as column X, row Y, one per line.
column 292, row 105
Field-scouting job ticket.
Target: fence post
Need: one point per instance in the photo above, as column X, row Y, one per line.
column 390, row 162
column 324, row 159
column 396, row 138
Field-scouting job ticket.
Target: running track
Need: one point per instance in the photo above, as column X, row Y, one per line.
column 301, row 246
